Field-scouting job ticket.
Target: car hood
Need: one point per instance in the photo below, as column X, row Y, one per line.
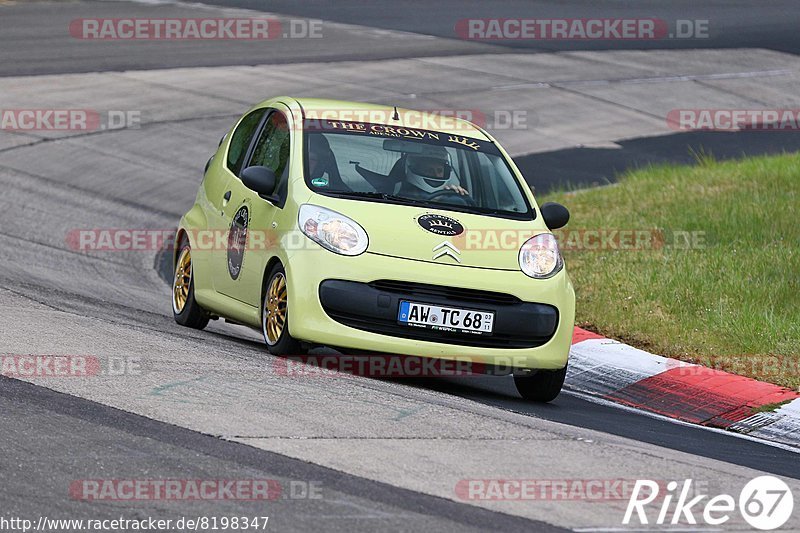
column 438, row 235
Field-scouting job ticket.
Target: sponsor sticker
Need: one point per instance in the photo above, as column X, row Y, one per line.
column 440, row 225
column 237, row 240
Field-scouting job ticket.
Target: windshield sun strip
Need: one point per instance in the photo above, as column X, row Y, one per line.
column 314, row 126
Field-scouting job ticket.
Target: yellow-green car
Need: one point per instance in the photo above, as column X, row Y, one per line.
column 372, row 228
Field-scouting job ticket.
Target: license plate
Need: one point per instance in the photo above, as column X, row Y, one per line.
column 452, row 319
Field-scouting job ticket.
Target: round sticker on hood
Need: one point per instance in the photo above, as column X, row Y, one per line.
column 440, row 225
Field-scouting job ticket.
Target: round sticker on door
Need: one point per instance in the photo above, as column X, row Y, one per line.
column 237, row 240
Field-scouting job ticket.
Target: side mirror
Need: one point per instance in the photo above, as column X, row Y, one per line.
column 555, row 215
column 259, row 179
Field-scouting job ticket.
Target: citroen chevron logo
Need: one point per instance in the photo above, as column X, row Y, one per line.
column 446, row 248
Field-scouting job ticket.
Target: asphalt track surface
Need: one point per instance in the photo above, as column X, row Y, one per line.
column 731, row 24
column 32, row 44
column 207, row 406
column 32, row 49
column 85, row 436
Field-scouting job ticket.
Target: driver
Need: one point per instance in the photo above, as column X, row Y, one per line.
column 429, row 172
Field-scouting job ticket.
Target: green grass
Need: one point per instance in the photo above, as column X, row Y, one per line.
column 732, row 303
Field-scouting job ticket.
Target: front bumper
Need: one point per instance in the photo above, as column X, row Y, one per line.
column 373, row 307
column 534, row 318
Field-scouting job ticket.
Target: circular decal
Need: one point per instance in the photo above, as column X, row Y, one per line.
column 440, row 225
column 237, row 240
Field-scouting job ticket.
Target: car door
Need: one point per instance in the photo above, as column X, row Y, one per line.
column 217, row 191
column 249, row 217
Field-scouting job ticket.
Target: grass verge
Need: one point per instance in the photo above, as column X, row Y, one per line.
column 715, row 275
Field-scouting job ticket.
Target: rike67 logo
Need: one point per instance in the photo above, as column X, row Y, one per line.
column 765, row 503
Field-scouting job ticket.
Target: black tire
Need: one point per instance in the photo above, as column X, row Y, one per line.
column 191, row 315
column 543, row 386
column 285, row 343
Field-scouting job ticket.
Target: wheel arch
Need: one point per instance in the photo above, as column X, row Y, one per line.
column 179, row 235
column 274, row 260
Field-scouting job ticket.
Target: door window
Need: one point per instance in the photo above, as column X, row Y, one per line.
column 272, row 151
column 241, row 139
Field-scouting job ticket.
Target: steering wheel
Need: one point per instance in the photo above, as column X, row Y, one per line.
column 449, row 192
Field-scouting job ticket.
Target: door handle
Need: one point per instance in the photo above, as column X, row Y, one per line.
column 227, row 196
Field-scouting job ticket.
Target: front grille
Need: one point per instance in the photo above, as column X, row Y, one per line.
column 387, row 327
column 410, row 290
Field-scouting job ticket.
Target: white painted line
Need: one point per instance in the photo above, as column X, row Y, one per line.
column 629, row 530
column 654, row 79
column 695, row 77
column 609, row 403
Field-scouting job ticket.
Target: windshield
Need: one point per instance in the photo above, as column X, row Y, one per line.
column 411, row 166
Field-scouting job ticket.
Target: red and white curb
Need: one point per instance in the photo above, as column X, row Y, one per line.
column 691, row 393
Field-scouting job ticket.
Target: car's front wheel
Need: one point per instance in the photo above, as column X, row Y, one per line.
column 185, row 309
column 542, row 386
column 275, row 314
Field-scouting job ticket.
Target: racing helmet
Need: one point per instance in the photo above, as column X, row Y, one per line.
column 429, row 169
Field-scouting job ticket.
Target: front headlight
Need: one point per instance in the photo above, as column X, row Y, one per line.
column 332, row 230
column 539, row 256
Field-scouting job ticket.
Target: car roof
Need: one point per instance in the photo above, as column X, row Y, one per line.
column 444, row 121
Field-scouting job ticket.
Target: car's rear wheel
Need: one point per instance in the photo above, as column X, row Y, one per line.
column 542, row 386
column 275, row 314
column 185, row 309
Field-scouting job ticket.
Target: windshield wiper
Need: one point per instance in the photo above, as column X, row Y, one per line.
column 426, row 203
column 479, row 210
column 380, row 196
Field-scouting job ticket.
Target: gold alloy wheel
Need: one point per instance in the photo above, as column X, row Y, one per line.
column 183, row 279
column 274, row 318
